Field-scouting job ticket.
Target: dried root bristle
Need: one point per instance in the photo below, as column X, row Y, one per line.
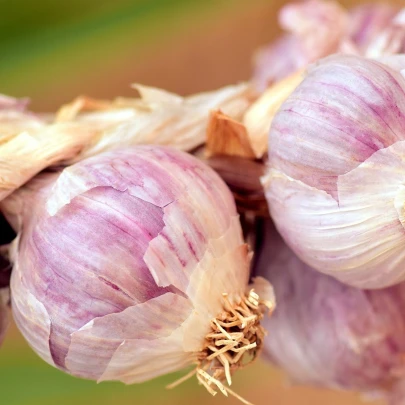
column 235, row 340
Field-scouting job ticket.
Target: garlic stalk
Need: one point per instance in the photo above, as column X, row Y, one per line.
column 335, row 179
column 131, row 264
column 328, row 334
column 157, row 117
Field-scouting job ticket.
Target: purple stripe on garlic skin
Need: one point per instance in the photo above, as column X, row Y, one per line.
column 325, row 333
column 336, row 171
column 122, row 262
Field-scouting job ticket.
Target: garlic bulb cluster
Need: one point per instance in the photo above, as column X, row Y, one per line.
column 326, row 333
column 317, row 28
column 122, row 265
column 335, row 181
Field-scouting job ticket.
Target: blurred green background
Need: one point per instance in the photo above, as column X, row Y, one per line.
column 54, row 50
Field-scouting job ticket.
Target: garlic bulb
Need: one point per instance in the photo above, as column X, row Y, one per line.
column 328, row 334
column 122, row 266
column 336, row 169
column 318, row 28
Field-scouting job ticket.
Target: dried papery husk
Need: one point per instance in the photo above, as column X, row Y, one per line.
column 123, row 261
column 15, row 118
column 327, row 334
column 25, row 154
column 335, row 179
column 226, row 136
column 87, row 127
column 163, row 118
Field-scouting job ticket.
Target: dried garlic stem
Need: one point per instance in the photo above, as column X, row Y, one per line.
column 235, row 340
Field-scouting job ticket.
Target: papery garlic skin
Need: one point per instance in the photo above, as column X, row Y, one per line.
column 14, row 118
column 325, row 333
column 122, row 262
column 391, row 40
column 87, row 127
column 336, row 171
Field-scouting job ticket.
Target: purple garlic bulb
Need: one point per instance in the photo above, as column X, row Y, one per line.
column 328, row 334
column 335, row 180
column 121, row 265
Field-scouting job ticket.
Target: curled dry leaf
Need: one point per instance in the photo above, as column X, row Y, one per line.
column 157, row 117
column 225, row 136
